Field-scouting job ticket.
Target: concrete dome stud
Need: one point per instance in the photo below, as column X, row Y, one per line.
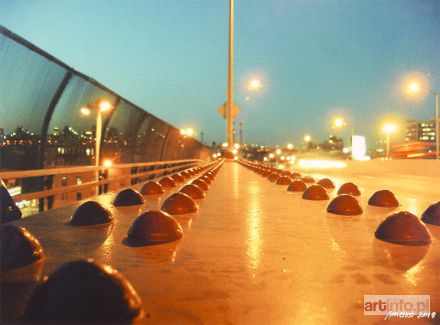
column 152, row 188
column 432, row 214
column 201, row 183
column 284, row 180
column 177, row 178
column 154, row 227
column 327, row 183
column 206, row 179
column 90, row 213
column 83, row 291
column 273, row 177
column 308, row 179
column 193, row 191
column 315, row 192
column 383, row 198
column 179, row 203
column 349, row 188
column 167, row 182
column 403, row 228
column 18, row 247
column 297, row 186
column 128, row 197
column 345, row 204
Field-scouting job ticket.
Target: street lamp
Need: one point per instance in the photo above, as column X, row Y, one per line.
column 389, row 128
column 254, row 84
column 307, row 139
column 188, row 131
column 416, row 86
column 339, row 123
column 100, row 107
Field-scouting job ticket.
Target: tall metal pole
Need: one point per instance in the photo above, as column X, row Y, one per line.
column 241, row 133
column 388, row 145
column 98, row 144
column 230, row 99
column 437, row 134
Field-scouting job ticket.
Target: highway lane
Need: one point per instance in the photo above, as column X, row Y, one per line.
column 256, row 254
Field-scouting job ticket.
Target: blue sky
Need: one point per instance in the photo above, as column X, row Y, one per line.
column 317, row 58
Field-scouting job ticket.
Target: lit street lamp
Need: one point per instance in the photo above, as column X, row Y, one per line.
column 389, row 128
column 416, row 86
column 188, row 132
column 339, row 123
column 100, row 107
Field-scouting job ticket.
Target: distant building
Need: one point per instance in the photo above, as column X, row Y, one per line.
column 332, row 145
column 419, row 141
column 420, row 131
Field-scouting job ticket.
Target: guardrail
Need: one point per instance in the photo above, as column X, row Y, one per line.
column 47, row 181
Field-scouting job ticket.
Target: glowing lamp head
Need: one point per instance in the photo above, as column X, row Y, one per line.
column 236, row 146
column 389, row 128
column 182, row 132
column 85, row 111
column 307, row 138
column 234, row 151
column 107, row 163
column 339, row 122
column 189, row 132
column 254, row 84
column 413, row 86
column 105, row 105
column 290, row 146
column 271, row 155
column 278, row 151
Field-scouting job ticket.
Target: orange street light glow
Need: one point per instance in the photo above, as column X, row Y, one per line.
column 189, row 132
column 389, row 128
column 254, row 84
column 85, row 111
column 339, row 122
column 105, row 105
column 415, row 86
column 107, row 163
column 307, row 138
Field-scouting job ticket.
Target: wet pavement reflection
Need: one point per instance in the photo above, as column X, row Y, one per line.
column 256, row 253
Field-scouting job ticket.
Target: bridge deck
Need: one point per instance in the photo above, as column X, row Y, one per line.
column 255, row 254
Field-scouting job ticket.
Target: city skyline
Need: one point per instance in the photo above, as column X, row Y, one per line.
column 315, row 59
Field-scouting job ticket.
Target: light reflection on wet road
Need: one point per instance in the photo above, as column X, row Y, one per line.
column 257, row 254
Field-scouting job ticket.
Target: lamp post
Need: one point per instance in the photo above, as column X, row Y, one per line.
column 339, row 123
column 230, row 97
column 388, row 129
column 307, row 139
column 418, row 85
column 437, row 133
column 100, row 107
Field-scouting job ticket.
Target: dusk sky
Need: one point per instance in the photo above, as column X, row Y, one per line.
column 317, row 59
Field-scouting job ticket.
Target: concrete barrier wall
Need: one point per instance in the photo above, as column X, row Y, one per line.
column 427, row 168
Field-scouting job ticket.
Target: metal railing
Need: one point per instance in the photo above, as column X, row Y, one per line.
column 116, row 174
